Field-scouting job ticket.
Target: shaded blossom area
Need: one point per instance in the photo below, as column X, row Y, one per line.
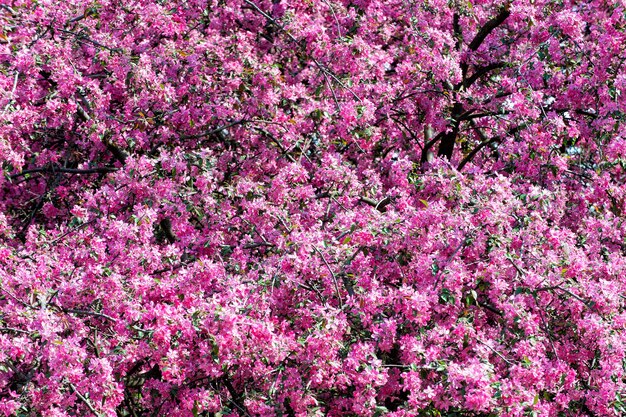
column 312, row 208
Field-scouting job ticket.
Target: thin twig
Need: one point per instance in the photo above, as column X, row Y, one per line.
column 517, row 268
column 82, row 37
column 546, row 328
column 293, row 39
column 332, row 274
column 236, row 399
column 582, row 300
column 496, row 352
column 332, row 91
column 23, row 303
column 214, row 131
column 463, row 244
column 280, row 146
column 72, row 230
column 8, row 9
column 84, row 400
column 169, row 269
column 255, row 245
column 87, row 313
column 335, row 16
column 98, row 170
column 490, row 308
column 12, row 329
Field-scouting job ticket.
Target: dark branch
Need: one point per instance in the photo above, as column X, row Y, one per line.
column 323, row 69
column 475, row 151
column 214, row 131
column 98, row 170
column 85, row 400
column 428, row 145
column 458, row 35
column 587, row 113
column 490, row 308
column 378, row 205
column 235, row 397
column 13, row 330
column 280, row 146
column 81, row 37
column 483, row 114
column 166, row 226
column 489, row 27
column 117, row 152
column 258, row 245
column 480, row 71
column 446, row 146
column 485, row 142
column 85, row 313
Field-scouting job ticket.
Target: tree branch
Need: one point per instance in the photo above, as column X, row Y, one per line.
column 235, row 396
column 426, row 152
column 475, row 151
column 448, row 140
column 332, row 274
column 489, row 307
column 378, row 205
column 83, row 312
column 489, row 27
column 82, row 37
column 485, row 142
column 98, row 170
column 14, row 330
column 117, row 152
column 166, row 226
column 321, row 67
column 84, row 400
column 479, row 72
column 214, row 131
column 88, row 313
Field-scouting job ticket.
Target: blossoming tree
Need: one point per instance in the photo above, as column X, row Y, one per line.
column 294, row 208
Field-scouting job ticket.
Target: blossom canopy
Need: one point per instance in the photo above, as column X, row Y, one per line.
column 312, row 208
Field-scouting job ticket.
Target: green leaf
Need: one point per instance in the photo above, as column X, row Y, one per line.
column 446, row 296
column 380, row 411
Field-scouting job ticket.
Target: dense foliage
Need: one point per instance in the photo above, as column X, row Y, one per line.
column 294, row 208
